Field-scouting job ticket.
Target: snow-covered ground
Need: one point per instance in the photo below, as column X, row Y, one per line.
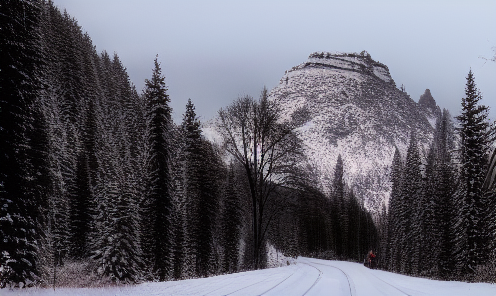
column 305, row 277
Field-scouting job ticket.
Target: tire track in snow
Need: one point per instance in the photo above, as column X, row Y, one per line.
column 278, row 284
column 234, row 279
column 391, row 285
column 316, row 281
column 351, row 284
column 264, row 280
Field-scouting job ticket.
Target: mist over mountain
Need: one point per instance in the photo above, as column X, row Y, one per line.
column 348, row 104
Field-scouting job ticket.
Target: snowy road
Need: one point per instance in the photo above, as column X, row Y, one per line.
column 307, row 277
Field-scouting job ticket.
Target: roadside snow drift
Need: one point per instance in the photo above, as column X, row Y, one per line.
column 306, row 277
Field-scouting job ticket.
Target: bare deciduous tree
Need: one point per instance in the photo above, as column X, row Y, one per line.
column 256, row 136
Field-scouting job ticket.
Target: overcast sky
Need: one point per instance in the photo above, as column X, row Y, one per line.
column 216, row 51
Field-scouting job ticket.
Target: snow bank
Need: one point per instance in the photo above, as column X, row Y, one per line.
column 306, row 277
column 277, row 259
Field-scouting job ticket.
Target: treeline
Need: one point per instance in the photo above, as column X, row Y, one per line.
column 96, row 176
column 441, row 217
column 334, row 226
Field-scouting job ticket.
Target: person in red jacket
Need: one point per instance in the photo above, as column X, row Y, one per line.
column 371, row 259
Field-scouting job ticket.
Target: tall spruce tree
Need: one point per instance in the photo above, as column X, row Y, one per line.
column 354, row 214
column 190, row 166
column 394, row 223
column 200, row 191
column 443, row 195
column 427, row 224
column 338, row 218
column 477, row 211
column 411, row 193
column 156, row 205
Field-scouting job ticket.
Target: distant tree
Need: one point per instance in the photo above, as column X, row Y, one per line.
column 338, row 215
column 394, row 223
column 231, row 222
column 201, row 188
column 425, row 215
column 381, row 222
column 493, row 59
column 306, row 221
column 355, row 240
column 411, row 195
column 212, row 171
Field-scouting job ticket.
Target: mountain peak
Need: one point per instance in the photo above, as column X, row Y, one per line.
column 347, row 104
column 431, row 109
column 361, row 63
column 426, row 100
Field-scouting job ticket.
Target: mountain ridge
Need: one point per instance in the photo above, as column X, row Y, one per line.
column 348, row 104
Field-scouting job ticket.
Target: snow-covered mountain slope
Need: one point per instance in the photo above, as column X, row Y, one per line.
column 306, row 277
column 348, row 104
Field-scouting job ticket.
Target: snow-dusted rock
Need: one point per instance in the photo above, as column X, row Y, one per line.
column 349, row 104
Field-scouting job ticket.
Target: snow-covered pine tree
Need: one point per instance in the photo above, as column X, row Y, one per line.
column 427, row 224
column 201, row 188
column 211, row 171
column 354, row 214
column 83, row 197
column 80, row 216
column 337, row 206
column 369, row 239
column 116, row 239
column 70, row 55
column 445, row 186
column 156, row 230
column 20, row 198
column 54, row 245
column 475, row 134
column 63, row 100
column 190, row 166
column 411, row 192
column 436, row 199
column 394, row 214
column 311, row 216
column 340, row 191
column 181, row 263
column 231, row 223
column 382, row 227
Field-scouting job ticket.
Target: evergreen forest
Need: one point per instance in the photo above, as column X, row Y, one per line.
column 98, row 185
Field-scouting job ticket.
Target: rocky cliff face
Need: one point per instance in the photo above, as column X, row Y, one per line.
column 348, row 104
column 428, row 106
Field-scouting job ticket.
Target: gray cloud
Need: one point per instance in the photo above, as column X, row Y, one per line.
column 214, row 51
